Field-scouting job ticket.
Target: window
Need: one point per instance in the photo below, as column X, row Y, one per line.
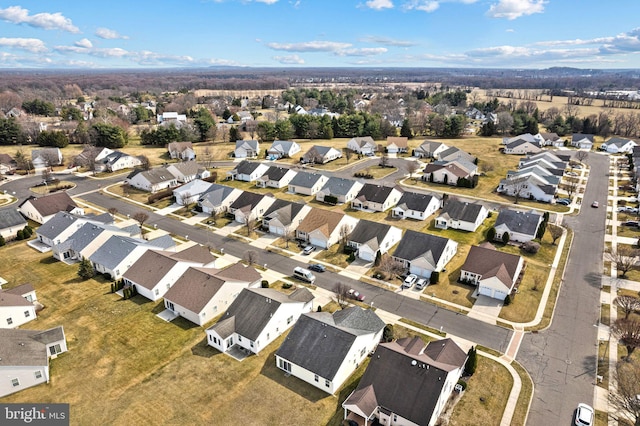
column 9, row 321
column 38, row 374
column 251, row 343
column 15, row 382
column 27, row 314
column 55, row 349
column 316, row 378
column 239, row 338
column 211, row 337
column 327, row 383
column 286, row 366
column 289, row 320
column 157, row 292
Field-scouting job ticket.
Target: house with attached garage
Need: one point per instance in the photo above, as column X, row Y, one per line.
column 429, row 149
column 370, row 238
column 376, row 198
column 7, row 164
column 305, row 183
column 118, row 160
column 364, row 145
column 582, row 141
column 521, row 226
column 397, row 144
column 455, row 154
column 87, row 239
column 153, row 180
column 25, row 355
column 495, row 273
column 201, row 294
column 536, row 140
column 461, row 215
column 618, row 146
column 283, row 149
column 62, row 225
column 521, row 147
column 424, row 253
column 218, row 198
column 17, row 306
column 248, row 171
column 191, row 192
column 319, row 154
column 324, row 349
column 324, row 228
column 257, row 317
column 276, row 177
column 247, row 149
column 283, row 217
column 552, row 139
column 41, row 209
column 11, row 221
column 43, row 158
column 181, row 151
column 250, row 206
column 449, row 173
column 413, row 205
column 153, row 274
column 407, row 382
column 187, row 171
column 344, row 190
column 530, row 186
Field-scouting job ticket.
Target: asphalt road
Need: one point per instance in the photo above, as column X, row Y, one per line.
column 562, row 359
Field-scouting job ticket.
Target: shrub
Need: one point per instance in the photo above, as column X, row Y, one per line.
column 348, row 249
column 331, row 199
column 463, row 384
column 506, row 238
column 472, row 362
column 531, row 247
column 287, row 285
column 20, row 235
column 491, row 234
column 2, row 241
column 265, row 284
column 435, row 277
column 352, row 257
column 388, row 334
column 507, row 300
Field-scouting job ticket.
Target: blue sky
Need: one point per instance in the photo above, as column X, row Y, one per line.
column 320, row 33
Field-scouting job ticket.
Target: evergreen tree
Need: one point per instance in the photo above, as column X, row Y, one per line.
column 405, row 130
column 472, row 361
column 85, row 270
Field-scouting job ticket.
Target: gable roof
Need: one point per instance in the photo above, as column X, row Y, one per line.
column 58, row 223
column 519, row 142
column 375, row 193
column 282, row 146
column 320, row 341
column 619, row 142
column 284, row 211
column 247, row 201
column 575, row 137
column 52, row 203
column 416, row 201
column 415, row 244
column 455, row 153
column 519, row 221
column 179, row 146
column 274, row 173
column 13, row 297
column 452, row 167
column 10, row 218
column 246, row 167
column 252, row 310
column 338, row 186
column 369, row 233
column 7, row 159
column 399, row 141
column 250, row 144
column 488, row 263
column 184, row 168
column 153, row 176
column 461, row 210
column 305, row 179
column 363, row 141
column 430, row 146
column 323, row 220
column 216, row 194
column 22, row 347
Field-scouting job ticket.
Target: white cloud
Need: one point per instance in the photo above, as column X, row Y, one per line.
column 310, row 46
column 387, row 41
column 47, row 21
column 365, row 51
column 422, row 5
column 85, row 43
column 379, row 4
column 289, row 60
column 513, row 9
column 267, row 1
column 30, row 44
column 108, row 34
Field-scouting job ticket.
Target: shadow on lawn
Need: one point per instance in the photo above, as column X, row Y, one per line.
column 202, row 349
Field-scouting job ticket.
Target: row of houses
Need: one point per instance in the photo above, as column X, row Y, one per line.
column 528, row 144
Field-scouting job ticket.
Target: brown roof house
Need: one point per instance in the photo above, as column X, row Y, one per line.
column 397, row 144
column 494, row 272
column 323, row 228
column 201, row 294
column 17, row 306
column 41, row 209
column 181, row 150
column 406, row 382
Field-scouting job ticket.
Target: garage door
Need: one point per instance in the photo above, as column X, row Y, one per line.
column 500, row 294
column 421, row 272
column 485, row 291
column 276, row 230
column 317, row 242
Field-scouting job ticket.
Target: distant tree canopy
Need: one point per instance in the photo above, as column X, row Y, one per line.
column 39, row 107
column 164, row 135
column 204, row 122
column 70, row 113
column 108, row 135
column 53, row 138
column 10, row 132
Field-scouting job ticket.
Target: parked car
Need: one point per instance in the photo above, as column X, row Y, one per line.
column 355, row 295
column 584, row 415
column 421, row 283
column 571, row 174
column 309, row 249
column 595, row 204
column 630, row 223
column 317, row 267
column 409, row 281
column 563, row 201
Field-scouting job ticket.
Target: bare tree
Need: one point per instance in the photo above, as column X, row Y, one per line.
column 145, row 163
column 287, row 235
column 624, row 400
column 344, row 233
column 412, row 168
column 581, row 156
column 126, row 189
column 348, row 153
column 141, row 218
column 341, row 294
column 623, row 257
column 516, row 187
column 628, row 334
column 571, row 185
column 207, row 156
column 390, row 266
column 384, row 160
column 113, row 211
column 251, row 257
column 628, row 304
column 250, row 224
column 555, row 231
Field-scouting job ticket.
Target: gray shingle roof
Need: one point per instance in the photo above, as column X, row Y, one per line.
column 247, row 200
column 58, row 223
column 375, row 193
column 247, row 143
column 22, row 347
column 417, row 244
column 320, row 341
column 415, row 201
column 454, row 153
column 10, row 218
column 52, row 203
column 305, row 179
column 274, row 173
column 370, row 233
column 246, row 167
column 338, row 186
column 284, row 211
column 216, row 194
column 82, row 237
column 154, row 176
column 114, row 250
column 461, row 210
column 519, row 221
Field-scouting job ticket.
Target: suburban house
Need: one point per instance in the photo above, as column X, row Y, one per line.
column 521, row 147
column 17, row 306
column 87, row 239
column 429, row 149
column 461, row 215
column 153, row 274
column 423, row 253
column 91, row 157
column 11, row 221
column 455, row 154
column 582, row 141
column 187, row 171
column 153, row 180
column 494, row 272
column 7, row 164
column 537, row 139
column 520, row 225
column 413, row 205
column 250, row 206
column 276, row 177
column 370, row 238
column 283, row 149
column 323, row 228
column 324, row 349
column 171, row 117
column 376, row 198
column 552, row 139
column 201, row 294
column 116, row 255
column 397, row 144
column 247, row 149
column 407, row 382
column 282, row 217
column 41, row 209
column 42, row 158
column 531, row 187
column 618, row 146
column 117, row 160
column 306, row 183
column 319, row 154
column 257, row 317
column 62, row 225
column 248, row 171
column 344, row 190
column 218, row 198
column 362, row 145
column 181, row 151
column 449, row 172
column 545, row 159
column 24, row 357
column 191, row 192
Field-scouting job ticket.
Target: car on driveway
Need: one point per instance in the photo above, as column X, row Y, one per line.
column 571, row 174
column 563, row 201
column 595, row 204
column 630, row 223
column 355, row 295
column 317, row 267
column 421, row 283
column 309, row 249
column 409, row 281
column 584, row 415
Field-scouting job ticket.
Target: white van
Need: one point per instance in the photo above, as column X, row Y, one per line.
column 304, row 274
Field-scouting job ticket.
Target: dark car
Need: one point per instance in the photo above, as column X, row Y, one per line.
column 631, row 223
column 317, row 267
